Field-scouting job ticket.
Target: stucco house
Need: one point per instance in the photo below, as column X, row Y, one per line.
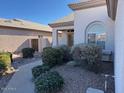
column 96, row 21
column 89, row 23
column 16, row 34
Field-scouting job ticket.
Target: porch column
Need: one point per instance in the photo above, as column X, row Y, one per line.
column 55, row 38
column 64, row 38
column 119, row 48
column 40, row 37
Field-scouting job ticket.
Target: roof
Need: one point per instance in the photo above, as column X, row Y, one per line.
column 65, row 21
column 67, row 18
column 84, row 4
column 23, row 24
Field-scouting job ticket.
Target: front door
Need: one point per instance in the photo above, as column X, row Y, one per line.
column 34, row 44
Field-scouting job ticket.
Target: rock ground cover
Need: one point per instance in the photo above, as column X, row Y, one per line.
column 77, row 79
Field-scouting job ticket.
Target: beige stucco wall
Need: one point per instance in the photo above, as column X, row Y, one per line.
column 13, row 40
column 14, row 43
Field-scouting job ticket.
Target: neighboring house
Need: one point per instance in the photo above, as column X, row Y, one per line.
column 96, row 21
column 16, row 34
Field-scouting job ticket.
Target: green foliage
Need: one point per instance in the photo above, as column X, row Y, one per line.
column 28, row 52
column 49, row 82
column 52, row 56
column 78, row 54
column 2, row 66
column 88, row 55
column 93, row 54
column 65, row 51
column 93, row 57
column 38, row 70
column 5, row 57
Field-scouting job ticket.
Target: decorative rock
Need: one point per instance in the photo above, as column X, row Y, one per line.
column 92, row 90
column 10, row 70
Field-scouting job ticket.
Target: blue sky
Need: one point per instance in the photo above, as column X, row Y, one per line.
column 41, row 11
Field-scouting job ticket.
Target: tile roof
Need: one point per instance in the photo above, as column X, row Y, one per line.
column 24, row 24
column 67, row 18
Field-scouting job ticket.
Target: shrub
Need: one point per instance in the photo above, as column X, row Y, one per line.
column 38, row 70
column 28, row 52
column 78, row 54
column 88, row 55
column 52, row 56
column 2, row 66
column 65, row 50
column 10, row 56
column 6, row 59
column 93, row 57
column 49, row 82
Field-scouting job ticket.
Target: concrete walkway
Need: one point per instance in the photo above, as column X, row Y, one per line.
column 21, row 81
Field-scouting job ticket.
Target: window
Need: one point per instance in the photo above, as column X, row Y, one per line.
column 95, row 34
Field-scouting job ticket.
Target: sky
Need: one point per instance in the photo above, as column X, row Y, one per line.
column 41, row 11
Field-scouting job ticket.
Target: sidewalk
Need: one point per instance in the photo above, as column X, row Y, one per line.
column 21, row 81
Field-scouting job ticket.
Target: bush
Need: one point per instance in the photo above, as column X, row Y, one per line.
column 65, row 50
column 2, row 66
column 88, row 55
column 6, row 59
column 78, row 54
column 10, row 56
column 49, row 82
column 28, row 52
column 93, row 57
column 52, row 56
column 38, row 70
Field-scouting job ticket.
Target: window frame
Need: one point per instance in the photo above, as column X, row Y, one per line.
column 90, row 26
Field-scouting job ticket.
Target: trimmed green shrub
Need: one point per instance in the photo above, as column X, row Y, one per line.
column 6, row 59
column 28, row 52
column 38, row 70
column 65, row 50
column 88, row 55
column 49, row 82
column 52, row 56
column 2, row 66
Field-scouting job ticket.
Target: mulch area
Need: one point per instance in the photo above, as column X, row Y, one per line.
column 16, row 64
column 77, row 79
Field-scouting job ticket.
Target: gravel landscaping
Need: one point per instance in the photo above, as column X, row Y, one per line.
column 16, row 63
column 77, row 80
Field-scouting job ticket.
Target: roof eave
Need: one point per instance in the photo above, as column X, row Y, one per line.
column 88, row 4
column 112, row 8
column 30, row 29
column 62, row 24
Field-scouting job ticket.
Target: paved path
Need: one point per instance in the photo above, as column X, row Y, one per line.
column 21, row 82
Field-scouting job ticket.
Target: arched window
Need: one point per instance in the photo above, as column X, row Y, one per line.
column 96, row 34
